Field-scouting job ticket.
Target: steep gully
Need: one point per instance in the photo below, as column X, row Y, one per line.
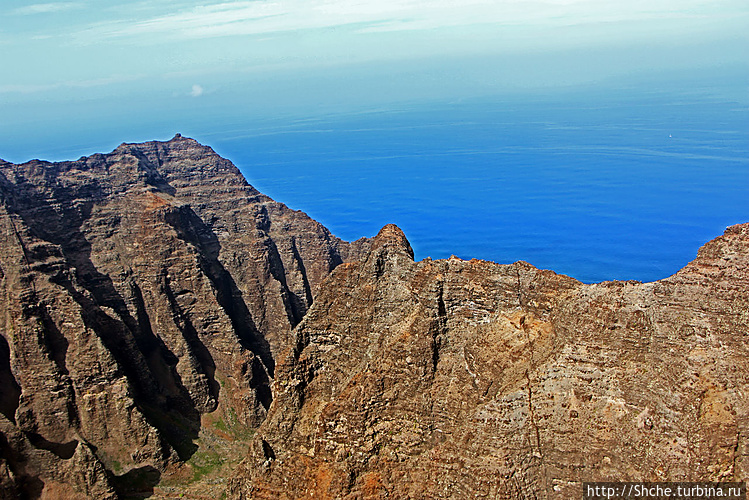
column 143, row 290
column 159, row 320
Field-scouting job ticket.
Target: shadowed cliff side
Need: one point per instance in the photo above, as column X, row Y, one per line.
column 469, row 379
column 158, row 320
column 143, row 291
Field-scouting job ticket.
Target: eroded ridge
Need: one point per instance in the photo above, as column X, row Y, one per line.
column 144, row 291
column 469, row 379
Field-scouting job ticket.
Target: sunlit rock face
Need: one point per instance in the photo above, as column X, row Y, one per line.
column 163, row 321
column 469, row 379
column 141, row 290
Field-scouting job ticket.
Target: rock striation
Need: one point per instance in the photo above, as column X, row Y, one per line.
column 469, row 379
column 141, row 290
column 163, row 320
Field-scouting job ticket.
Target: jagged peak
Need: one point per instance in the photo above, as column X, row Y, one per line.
column 740, row 229
column 727, row 254
column 177, row 140
column 392, row 237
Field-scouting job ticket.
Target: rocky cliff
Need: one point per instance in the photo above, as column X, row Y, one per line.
column 143, row 291
column 160, row 327
column 469, row 379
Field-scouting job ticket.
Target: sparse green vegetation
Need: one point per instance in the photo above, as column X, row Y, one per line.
column 221, row 445
column 115, row 466
column 232, row 416
column 204, row 462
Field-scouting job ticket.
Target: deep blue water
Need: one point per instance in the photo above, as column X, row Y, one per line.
column 596, row 188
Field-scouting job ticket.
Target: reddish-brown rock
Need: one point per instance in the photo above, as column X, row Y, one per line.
column 469, row 379
column 141, row 290
column 159, row 326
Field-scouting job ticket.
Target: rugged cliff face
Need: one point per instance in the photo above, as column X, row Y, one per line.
column 469, row 379
column 144, row 291
column 159, row 327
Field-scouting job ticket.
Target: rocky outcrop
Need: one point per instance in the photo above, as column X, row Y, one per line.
column 142, row 290
column 469, row 379
column 158, row 321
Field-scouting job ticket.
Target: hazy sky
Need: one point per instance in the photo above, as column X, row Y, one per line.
column 96, row 61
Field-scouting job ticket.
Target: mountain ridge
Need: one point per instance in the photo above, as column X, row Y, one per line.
column 464, row 379
column 139, row 282
column 162, row 316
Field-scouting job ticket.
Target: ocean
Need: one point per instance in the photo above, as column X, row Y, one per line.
column 624, row 185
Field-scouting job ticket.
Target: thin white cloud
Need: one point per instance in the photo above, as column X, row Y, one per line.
column 263, row 17
column 46, row 8
column 196, row 91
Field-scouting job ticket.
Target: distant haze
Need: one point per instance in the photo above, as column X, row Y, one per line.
column 115, row 71
column 599, row 138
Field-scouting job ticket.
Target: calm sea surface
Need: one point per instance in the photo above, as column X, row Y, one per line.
column 598, row 188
